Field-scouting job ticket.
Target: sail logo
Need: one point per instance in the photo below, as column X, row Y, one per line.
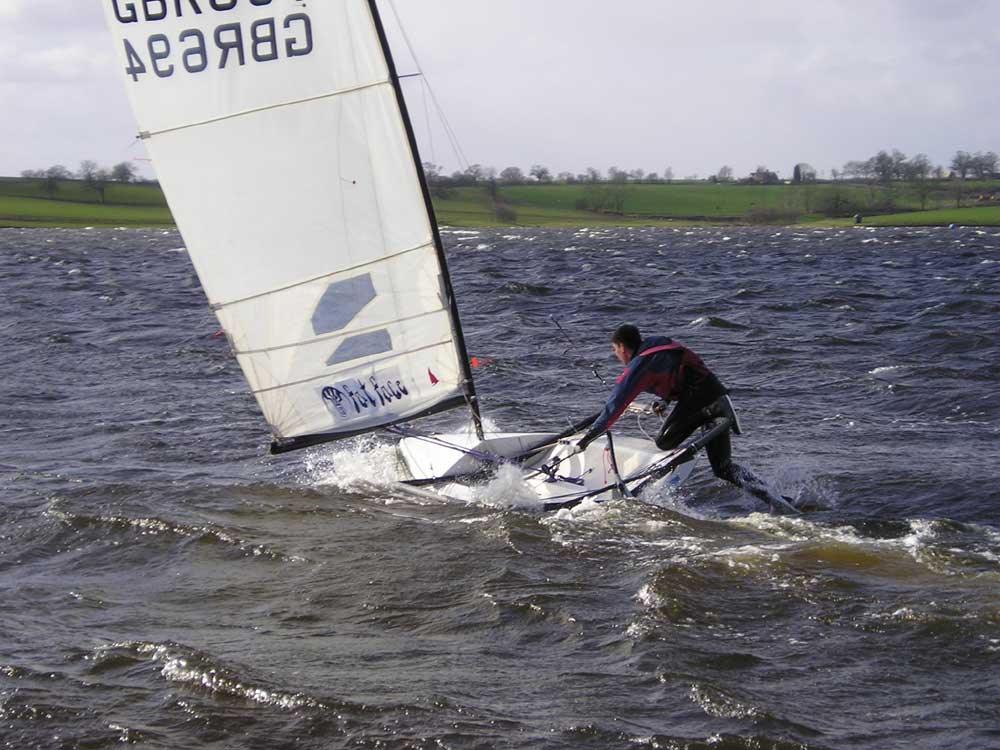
column 196, row 50
column 356, row 397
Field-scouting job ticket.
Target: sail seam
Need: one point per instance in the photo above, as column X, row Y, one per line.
column 216, row 306
column 148, row 134
column 338, row 334
column 395, row 355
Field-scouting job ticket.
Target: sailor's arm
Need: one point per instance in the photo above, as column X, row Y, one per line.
column 624, row 394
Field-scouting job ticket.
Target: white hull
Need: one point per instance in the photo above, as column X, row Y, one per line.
column 445, row 460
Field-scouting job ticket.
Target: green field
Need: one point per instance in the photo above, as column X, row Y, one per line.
column 26, row 203
column 982, row 216
column 704, row 203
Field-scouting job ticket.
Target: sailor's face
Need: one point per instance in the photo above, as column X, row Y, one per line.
column 623, row 354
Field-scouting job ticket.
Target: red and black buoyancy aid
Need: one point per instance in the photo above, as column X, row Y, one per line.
column 685, row 379
column 690, row 378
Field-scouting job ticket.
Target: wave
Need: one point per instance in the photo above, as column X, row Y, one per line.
column 717, row 702
column 519, row 287
column 899, row 550
column 959, row 307
column 712, row 321
column 199, row 671
column 151, row 526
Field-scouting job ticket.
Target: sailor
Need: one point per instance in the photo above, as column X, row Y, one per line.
column 665, row 368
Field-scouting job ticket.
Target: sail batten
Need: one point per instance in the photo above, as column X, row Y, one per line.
column 395, row 355
column 341, row 337
column 222, row 305
column 280, row 137
column 149, row 135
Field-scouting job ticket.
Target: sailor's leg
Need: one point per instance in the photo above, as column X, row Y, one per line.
column 720, row 456
column 679, row 426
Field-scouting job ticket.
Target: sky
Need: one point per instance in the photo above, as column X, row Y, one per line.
column 572, row 84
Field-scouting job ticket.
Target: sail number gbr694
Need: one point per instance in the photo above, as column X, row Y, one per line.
column 195, row 50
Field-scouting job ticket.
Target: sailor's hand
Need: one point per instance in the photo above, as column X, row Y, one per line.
column 659, row 408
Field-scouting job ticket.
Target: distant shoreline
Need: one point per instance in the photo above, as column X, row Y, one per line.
column 71, row 204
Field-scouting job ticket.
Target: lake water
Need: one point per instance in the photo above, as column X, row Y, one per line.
column 167, row 584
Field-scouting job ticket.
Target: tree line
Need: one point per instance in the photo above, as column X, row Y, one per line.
column 92, row 175
column 884, row 167
column 538, row 174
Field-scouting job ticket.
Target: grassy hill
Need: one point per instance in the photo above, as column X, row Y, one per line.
column 27, row 202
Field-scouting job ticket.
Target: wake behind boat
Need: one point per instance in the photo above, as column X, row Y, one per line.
column 281, row 139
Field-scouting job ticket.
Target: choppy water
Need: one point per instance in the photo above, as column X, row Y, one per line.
column 166, row 584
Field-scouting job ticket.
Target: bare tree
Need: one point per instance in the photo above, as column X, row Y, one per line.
column 87, row 169
column 984, row 165
column 885, row 167
column 725, row 174
column 918, row 168
column 512, row 176
column 918, row 172
column 98, row 182
column 52, row 177
column 803, row 173
column 475, row 173
column 962, row 164
column 540, row 173
column 668, row 174
column 59, row 172
column 123, row 172
column 617, row 175
column 899, row 165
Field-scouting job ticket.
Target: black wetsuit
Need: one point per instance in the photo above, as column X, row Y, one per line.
column 699, row 406
column 675, row 373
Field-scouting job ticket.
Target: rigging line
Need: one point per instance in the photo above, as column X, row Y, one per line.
column 452, row 137
column 147, row 134
column 427, row 122
column 573, row 344
column 638, row 422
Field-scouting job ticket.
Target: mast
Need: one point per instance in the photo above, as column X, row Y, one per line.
column 456, row 325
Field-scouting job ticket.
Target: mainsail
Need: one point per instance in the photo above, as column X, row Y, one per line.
column 280, row 137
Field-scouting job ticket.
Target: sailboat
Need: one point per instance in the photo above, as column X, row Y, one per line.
column 281, row 139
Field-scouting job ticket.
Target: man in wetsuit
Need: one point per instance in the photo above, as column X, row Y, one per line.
column 661, row 366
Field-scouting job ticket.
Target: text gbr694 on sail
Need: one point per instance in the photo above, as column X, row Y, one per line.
column 193, row 51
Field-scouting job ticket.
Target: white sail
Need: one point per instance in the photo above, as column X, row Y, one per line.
column 278, row 137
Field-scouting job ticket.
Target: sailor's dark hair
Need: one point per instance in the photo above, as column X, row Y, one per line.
column 628, row 336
